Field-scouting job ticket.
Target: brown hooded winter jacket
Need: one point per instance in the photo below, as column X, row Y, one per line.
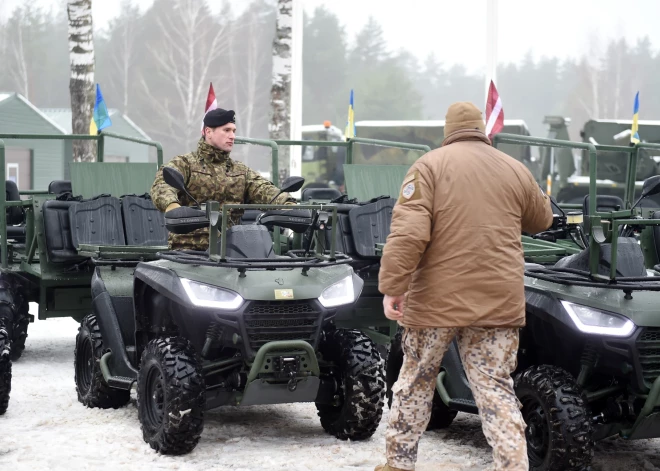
column 455, row 244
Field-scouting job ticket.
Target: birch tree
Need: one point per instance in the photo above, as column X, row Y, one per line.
column 81, row 84
column 280, row 93
column 188, row 44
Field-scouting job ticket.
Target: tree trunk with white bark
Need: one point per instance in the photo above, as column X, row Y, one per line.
column 81, row 84
column 280, row 95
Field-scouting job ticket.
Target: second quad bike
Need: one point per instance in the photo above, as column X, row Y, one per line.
column 235, row 325
column 589, row 363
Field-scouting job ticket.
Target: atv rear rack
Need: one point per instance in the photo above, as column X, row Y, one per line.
column 290, row 260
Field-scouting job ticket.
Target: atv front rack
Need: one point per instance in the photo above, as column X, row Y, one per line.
column 289, row 260
column 573, row 277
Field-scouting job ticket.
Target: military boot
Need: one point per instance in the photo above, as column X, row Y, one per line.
column 387, row 467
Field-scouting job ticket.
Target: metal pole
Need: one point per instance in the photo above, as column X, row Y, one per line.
column 491, row 44
column 295, row 152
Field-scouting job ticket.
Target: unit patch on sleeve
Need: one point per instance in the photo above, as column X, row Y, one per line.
column 410, row 189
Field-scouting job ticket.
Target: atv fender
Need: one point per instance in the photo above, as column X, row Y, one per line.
column 118, row 362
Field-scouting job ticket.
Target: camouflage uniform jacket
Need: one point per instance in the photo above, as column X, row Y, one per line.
column 211, row 175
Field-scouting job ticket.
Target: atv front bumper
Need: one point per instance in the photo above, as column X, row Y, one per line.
column 282, row 372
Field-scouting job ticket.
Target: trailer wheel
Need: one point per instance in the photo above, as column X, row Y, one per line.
column 91, row 387
column 5, row 369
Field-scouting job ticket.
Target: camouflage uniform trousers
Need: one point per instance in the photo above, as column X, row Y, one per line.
column 489, row 356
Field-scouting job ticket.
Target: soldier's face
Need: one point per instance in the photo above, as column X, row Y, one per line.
column 222, row 137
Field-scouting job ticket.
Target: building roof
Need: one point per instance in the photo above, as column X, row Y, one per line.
column 6, row 95
column 62, row 116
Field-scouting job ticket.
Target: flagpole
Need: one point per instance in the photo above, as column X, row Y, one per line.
column 491, row 43
column 295, row 155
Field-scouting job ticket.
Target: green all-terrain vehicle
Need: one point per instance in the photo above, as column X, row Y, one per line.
column 588, row 363
column 39, row 259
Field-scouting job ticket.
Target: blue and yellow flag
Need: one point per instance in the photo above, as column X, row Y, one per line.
column 634, row 132
column 100, row 117
column 350, row 122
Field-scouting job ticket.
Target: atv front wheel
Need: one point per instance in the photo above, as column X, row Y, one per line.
column 91, row 387
column 441, row 415
column 559, row 431
column 5, row 369
column 170, row 396
column 358, row 372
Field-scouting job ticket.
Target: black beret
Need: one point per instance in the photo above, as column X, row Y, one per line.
column 219, row 117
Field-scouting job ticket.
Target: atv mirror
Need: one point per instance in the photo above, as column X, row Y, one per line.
column 651, row 186
column 290, row 185
column 175, row 180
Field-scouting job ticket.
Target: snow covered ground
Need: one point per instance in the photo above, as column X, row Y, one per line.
column 47, row 428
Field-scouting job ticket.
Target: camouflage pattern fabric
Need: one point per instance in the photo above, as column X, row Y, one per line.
column 211, row 175
column 489, row 358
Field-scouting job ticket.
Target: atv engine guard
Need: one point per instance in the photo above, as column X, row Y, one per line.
column 283, row 372
column 647, row 424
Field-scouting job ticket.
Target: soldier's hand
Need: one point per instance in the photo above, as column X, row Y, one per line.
column 172, row 206
column 393, row 307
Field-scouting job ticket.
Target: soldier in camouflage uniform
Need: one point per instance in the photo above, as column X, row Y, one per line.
column 453, row 268
column 211, row 175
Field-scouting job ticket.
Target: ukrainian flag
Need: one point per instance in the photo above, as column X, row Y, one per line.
column 100, row 117
column 634, row 132
column 350, row 122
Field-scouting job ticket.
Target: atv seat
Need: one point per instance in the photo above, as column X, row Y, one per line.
column 604, row 203
column 248, row 241
column 656, row 236
column 630, row 259
column 15, row 214
column 144, row 223
column 57, row 231
column 97, row 222
column 57, row 187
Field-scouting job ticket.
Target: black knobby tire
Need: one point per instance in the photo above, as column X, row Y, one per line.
column 441, row 415
column 91, row 387
column 171, row 396
column 20, row 332
column 361, row 385
column 5, row 369
column 559, row 431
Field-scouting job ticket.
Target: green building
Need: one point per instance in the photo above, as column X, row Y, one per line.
column 34, row 163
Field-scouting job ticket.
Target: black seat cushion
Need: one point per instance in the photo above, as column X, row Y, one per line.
column 604, row 203
column 250, row 216
column 57, row 229
column 656, row 236
column 16, row 233
column 248, row 241
column 57, row 187
column 630, row 259
column 370, row 225
column 319, row 194
column 15, row 214
column 144, row 224
column 97, row 222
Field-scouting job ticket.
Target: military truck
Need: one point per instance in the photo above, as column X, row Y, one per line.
column 427, row 132
column 572, row 182
column 322, row 165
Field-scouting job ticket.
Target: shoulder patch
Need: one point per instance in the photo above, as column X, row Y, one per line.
column 410, row 189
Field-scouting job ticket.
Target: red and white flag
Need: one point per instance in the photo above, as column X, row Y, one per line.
column 211, row 103
column 494, row 112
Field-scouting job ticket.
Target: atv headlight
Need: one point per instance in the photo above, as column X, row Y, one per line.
column 204, row 295
column 340, row 293
column 595, row 321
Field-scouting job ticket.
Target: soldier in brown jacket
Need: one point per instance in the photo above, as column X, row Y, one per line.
column 211, row 175
column 453, row 267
